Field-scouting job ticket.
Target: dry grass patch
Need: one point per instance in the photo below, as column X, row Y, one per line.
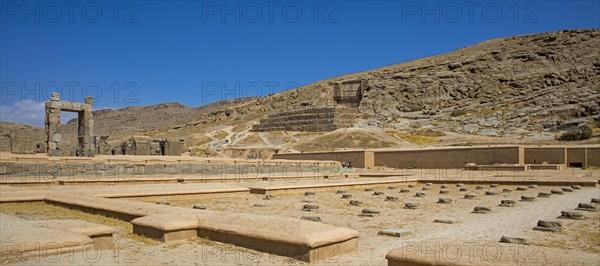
column 40, row 211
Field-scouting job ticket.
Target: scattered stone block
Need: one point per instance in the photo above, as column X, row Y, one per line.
column 479, row 187
column 443, row 186
column 396, row 232
column 566, row 189
column 404, row 190
column 340, row 192
column 410, row 205
column 428, row 184
column 506, row 190
column 490, row 193
column 494, row 185
column 377, row 193
column 544, row 195
column 460, row 185
column 309, row 200
column 368, row 189
column 481, row 209
column 346, row 196
column 508, row 203
column 533, row 186
column 268, row 197
column 372, row 211
column 390, row 198
column 309, row 193
column 366, row 214
column 311, row 218
column 556, row 191
column 527, row 198
column 426, row 188
column 575, row 186
column 444, row 220
column 570, row 215
column 548, row 226
column 200, row 207
column 260, row 205
column 595, row 200
column 520, row 188
column 587, row 207
column 462, row 189
column 356, row 202
column 470, row 196
column 420, row 194
column 444, row 191
column 311, row 206
column 163, row 203
column 514, row 240
column 390, row 187
column 445, row 200
column 411, row 185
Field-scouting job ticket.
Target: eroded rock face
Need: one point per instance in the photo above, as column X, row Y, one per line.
column 488, row 76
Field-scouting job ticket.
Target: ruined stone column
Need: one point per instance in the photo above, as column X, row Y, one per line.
column 53, row 126
column 87, row 131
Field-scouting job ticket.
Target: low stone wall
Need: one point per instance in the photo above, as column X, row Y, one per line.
column 357, row 158
column 48, row 172
column 443, row 158
column 313, row 119
column 518, row 157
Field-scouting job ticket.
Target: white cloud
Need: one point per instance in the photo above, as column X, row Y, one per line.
column 29, row 112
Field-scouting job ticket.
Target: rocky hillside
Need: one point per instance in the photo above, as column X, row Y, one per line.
column 522, row 89
column 6, row 128
column 502, row 87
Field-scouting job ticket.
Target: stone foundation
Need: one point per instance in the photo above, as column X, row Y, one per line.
column 312, row 120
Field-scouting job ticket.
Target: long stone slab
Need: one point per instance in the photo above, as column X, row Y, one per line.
column 121, row 209
column 9, row 194
column 304, row 240
column 335, row 185
column 481, row 181
column 477, row 252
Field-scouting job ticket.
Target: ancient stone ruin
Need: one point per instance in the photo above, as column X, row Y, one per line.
column 349, row 92
column 85, row 129
column 143, row 145
column 312, row 120
column 22, row 143
column 347, row 95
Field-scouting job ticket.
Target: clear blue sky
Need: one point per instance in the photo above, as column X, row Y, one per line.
column 196, row 52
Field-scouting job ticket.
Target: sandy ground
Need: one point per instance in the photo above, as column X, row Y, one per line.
column 581, row 237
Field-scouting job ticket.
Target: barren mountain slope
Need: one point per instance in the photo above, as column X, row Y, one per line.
column 521, row 89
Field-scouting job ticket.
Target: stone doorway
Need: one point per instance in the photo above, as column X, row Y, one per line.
column 85, row 126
